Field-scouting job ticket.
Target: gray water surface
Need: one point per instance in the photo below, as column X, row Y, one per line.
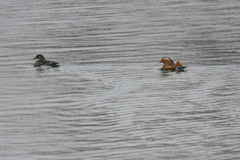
column 109, row 98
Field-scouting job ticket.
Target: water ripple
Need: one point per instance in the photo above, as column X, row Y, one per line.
column 109, row 98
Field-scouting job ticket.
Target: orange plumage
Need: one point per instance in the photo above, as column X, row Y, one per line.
column 168, row 64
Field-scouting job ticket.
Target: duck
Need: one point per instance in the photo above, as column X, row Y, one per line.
column 168, row 64
column 41, row 61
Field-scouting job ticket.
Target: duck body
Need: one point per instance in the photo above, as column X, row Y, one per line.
column 168, row 64
column 41, row 61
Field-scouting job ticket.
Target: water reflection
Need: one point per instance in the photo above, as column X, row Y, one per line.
column 109, row 99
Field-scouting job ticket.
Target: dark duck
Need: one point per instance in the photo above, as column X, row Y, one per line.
column 42, row 62
column 168, row 64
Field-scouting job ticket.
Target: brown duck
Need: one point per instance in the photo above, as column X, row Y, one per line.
column 41, row 61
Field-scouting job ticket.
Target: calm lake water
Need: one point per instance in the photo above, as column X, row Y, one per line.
column 109, row 99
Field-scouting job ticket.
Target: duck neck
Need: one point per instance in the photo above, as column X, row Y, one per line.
column 41, row 59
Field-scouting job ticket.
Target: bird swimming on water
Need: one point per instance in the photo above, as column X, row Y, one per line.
column 168, row 64
column 41, row 61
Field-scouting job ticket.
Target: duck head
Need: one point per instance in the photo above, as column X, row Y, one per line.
column 40, row 57
column 167, row 60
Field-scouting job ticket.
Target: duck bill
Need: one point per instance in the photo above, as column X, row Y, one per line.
column 160, row 62
column 35, row 58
